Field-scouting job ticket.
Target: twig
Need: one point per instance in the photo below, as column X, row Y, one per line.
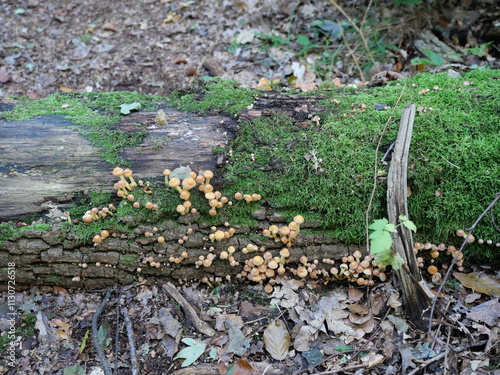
column 455, row 259
column 359, row 32
column 352, row 53
column 387, row 153
column 117, row 330
column 375, row 169
column 190, row 312
column 131, row 344
column 95, row 338
column 441, row 355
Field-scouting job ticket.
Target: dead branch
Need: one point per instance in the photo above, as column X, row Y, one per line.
column 131, row 343
column 95, row 338
column 199, row 324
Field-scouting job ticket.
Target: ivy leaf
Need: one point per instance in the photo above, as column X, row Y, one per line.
column 407, row 223
column 381, row 242
column 190, row 354
column 126, row 108
column 379, row 224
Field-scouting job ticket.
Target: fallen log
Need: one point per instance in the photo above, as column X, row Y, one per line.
column 46, row 162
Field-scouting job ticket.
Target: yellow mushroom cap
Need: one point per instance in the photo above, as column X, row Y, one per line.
column 210, row 195
column 180, row 208
column 432, row 270
column 87, row 218
column 238, row 196
column 219, row 235
column 257, row 260
column 117, row 172
column 302, row 272
column 188, row 183
column 174, row 182
column 208, row 174
column 167, row 172
column 285, row 252
column 298, row 219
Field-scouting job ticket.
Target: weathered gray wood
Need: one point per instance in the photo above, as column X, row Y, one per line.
column 415, row 303
column 45, row 160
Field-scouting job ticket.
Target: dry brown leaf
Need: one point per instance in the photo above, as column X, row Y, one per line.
column 110, row 26
column 393, row 301
column 277, row 339
column 4, row 76
column 66, row 89
column 479, row 282
column 372, row 359
column 358, row 309
column 241, row 367
column 355, row 295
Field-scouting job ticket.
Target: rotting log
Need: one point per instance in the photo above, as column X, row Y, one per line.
column 45, row 162
column 53, row 257
column 414, row 301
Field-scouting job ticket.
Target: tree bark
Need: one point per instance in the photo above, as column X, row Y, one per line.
column 44, row 162
column 414, row 301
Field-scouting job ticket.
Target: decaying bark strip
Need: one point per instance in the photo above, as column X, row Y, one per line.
column 397, row 196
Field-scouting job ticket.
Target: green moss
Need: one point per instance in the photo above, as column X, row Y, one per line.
column 9, row 231
column 129, row 260
column 454, row 149
column 219, row 96
column 92, row 115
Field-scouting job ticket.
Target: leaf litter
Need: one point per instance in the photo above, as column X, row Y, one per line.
column 300, row 326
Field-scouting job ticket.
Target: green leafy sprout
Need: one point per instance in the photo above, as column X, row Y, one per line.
column 381, row 241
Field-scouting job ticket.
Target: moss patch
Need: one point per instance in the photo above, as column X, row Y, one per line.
column 92, row 115
column 326, row 172
column 219, row 96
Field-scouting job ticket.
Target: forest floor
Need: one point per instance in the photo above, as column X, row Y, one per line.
column 158, row 46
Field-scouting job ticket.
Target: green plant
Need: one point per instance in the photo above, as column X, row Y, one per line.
column 433, row 58
column 481, row 50
column 381, row 241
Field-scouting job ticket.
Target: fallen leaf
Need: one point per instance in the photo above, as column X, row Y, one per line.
column 487, row 312
column 358, row 309
column 110, row 26
column 126, row 108
column 372, row 359
column 469, row 298
column 393, row 301
column 161, row 118
column 240, row 367
column 238, row 343
column 277, row 339
column 66, row 89
column 355, row 295
column 4, row 76
column 192, row 352
column 479, row 282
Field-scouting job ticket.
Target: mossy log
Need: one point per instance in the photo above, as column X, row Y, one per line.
column 46, row 162
column 52, row 257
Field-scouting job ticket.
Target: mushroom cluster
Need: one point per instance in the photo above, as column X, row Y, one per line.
column 285, row 234
column 96, row 214
column 358, row 269
column 265, row 267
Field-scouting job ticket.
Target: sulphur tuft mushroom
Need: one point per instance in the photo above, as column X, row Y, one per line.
column 128, row 174
column 118, row 172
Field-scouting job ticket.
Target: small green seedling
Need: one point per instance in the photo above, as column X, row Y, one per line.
column 433, row 58
column 381, row 241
